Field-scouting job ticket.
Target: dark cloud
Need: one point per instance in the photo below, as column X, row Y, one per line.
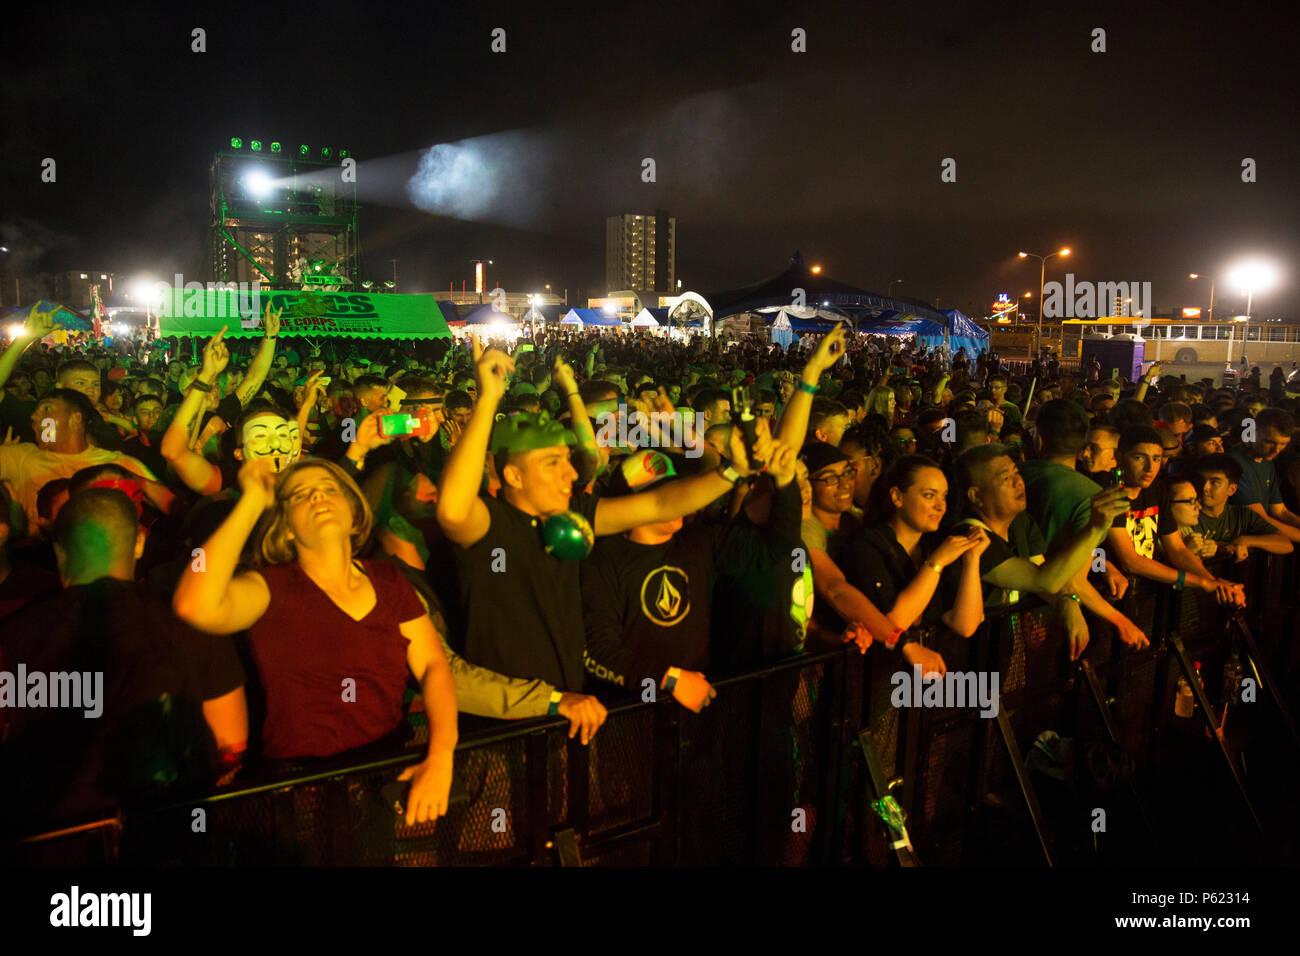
column 1133, row 156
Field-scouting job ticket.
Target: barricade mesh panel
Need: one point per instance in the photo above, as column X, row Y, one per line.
column 750, row 780
column 557, row 776
column 718, row 783
column 621, row 769
column 489, row 827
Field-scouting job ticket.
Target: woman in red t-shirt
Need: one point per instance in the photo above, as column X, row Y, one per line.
column 332, row 636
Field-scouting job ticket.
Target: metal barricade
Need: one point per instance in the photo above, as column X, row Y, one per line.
column 784, row 768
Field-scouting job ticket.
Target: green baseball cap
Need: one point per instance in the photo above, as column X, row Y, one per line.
column 528, row 432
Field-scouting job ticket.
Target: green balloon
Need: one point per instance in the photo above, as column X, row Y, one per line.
column 568, row 535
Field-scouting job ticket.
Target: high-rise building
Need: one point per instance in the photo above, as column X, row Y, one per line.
column 641, row 252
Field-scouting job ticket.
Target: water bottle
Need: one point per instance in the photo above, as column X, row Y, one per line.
column 1184, row 704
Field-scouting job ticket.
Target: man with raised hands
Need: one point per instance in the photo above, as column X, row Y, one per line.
column 523, row 604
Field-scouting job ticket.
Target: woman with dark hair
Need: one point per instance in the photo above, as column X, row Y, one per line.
column 898, row 564
column 332, row 636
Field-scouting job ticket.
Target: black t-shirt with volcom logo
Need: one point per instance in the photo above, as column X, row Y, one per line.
column 650, row 607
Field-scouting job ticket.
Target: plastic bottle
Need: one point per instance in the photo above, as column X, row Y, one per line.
column 1184, row 704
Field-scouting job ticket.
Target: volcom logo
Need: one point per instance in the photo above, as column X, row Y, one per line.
column 666, row 595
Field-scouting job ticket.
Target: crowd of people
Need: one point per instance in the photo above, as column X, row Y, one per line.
column 276, row 550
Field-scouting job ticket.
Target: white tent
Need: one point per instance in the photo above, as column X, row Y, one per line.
column 571, row 318
column 644, row 320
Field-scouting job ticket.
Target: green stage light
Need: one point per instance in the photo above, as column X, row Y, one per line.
column 324, row 152
column 275, row 147
column 344, row 154
column 304, row 150
column 255, row 145
column 236, row 143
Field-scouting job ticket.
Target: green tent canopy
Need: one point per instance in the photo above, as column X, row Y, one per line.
column 186, row 312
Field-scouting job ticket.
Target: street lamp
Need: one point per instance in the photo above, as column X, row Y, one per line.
column 1252, row 277
column 1042, row 275
column 889, row 290
column 1197, row 275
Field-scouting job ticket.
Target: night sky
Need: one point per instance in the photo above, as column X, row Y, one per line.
column 1131, row 157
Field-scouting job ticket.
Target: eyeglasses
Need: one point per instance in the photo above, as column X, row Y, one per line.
column 841, row 479
column 1186, row 501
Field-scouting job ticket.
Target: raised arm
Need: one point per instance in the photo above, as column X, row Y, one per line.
column 191, row 467
column 915, row 598
column 678, row 498
column 794, row 420
column 588, row 453
column 37, row 326
column 967, row 612
column 208, row 595
column 461, row 514
column 1061, row 566
column 261, row 363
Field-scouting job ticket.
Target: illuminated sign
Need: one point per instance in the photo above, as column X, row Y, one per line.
column 478, row 277
column 1003, row 308
column 1191, row 313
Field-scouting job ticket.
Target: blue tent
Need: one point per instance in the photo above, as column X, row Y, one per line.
column 486, row 314
column 964, row 333
column 592, row 317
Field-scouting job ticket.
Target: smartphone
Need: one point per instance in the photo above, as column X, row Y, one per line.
column 1119, row 476
column 421, row 423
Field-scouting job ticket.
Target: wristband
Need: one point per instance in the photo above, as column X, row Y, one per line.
column 1181, row 582
column 892, row 640
column 201, row 386
column 553, row 708
column 810, row 389
column 1075, row 598
column 671, row 680
column 934, row 567
column 731, row 474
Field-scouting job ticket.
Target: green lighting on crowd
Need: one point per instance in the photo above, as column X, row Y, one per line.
column 275, row 147
column 304, row 150
column 236, row 143
column 255, row 145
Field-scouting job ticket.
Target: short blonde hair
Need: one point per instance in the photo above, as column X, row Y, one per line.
column 276, row 547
